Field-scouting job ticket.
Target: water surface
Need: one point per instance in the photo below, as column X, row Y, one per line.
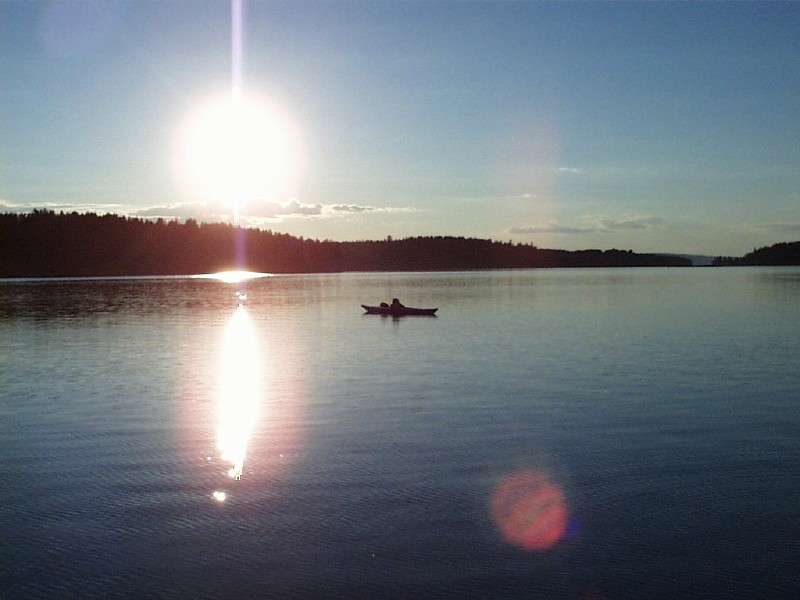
column 662, row 403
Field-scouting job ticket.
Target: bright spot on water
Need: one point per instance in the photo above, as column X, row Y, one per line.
column 530, row 510
column 219, row 496
column 239, row 390
column 232, row 276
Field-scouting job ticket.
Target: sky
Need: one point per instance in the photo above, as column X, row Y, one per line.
column 656, row 127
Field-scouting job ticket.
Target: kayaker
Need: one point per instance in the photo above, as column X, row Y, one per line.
column 396, row 304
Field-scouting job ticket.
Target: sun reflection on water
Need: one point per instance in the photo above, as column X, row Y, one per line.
column 240, row 390
column 232, row 276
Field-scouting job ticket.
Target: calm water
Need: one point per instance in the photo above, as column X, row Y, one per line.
column 662, row 405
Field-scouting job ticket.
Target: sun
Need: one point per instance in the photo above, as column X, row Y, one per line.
column 237, row 148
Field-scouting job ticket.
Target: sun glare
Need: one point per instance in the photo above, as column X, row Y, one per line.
column 238, row 148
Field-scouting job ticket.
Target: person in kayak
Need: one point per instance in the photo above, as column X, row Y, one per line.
column 396, row 304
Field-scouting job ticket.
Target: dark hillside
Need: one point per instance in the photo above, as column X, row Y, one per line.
column 48, row 244
column 783, row 254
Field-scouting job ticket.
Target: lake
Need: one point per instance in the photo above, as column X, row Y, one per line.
column 581, row 434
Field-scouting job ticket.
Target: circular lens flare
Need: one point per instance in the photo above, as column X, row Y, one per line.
column 530, row 511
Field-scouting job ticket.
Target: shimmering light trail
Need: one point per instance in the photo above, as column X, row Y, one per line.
column 236, row 47
column 239, row 391
column 236, row 90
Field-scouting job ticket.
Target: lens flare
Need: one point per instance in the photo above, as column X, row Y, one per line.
column 530, row 511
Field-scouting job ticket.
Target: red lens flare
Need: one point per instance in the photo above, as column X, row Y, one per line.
column 530, row 511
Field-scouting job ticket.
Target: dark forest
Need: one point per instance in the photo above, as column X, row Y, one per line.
column 44, row 243
column 783, row 254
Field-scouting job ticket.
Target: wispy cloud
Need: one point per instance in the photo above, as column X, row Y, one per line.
column 636, row 222
column 780, row 227
column 200, row 212
column 494, row 198
column 592, row 224
column 293, row 208
column 550, row 227
column 24, row 207
column 570, row 170
column 273, row 210
column 358, row 208
column 214, row 212
column 223, row 212
column 352, row 208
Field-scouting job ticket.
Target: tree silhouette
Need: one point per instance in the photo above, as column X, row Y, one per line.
column 782, row 254
column 47, row 244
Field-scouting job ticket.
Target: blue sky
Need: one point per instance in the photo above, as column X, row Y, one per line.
column 666, row 127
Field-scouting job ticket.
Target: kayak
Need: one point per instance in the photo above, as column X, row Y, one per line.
column 399, row 311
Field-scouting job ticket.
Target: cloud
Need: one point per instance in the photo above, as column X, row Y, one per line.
column 358, row 209
column 525, row 196
column 168, row 211
column 592, row 224
column 637, row 222
column 570, row 170
column 294, row 208
column 6, row 206
column 352, row 208
column 494, row 198
column 271, row 210
column 551, row 227
column 355, row 208
column 200, row 212
column 214, row 211
column 25, row 207
column 781, row 227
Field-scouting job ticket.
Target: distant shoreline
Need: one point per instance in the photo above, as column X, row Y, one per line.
column 48, row 244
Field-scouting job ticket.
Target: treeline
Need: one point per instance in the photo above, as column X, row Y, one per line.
column 48, row 244
column 783, row 254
